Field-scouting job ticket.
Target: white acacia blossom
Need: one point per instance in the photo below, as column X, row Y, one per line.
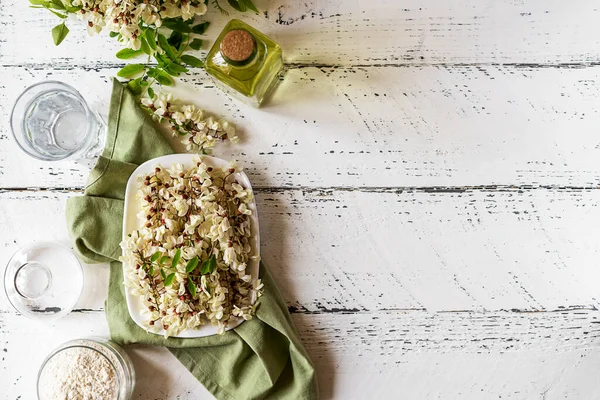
column 199, row 131
column 187, row 261
column 126, row 16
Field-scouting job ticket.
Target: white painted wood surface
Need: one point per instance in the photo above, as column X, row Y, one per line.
column 360, row 32
column 427, row 179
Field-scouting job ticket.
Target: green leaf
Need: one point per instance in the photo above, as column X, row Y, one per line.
column 200, row 28
column 135, row 88
column 169, row 50
column 131, row 70
column 163, row 78
column 192, row 61
column 196, row 44
column 175, row 69
column 191, row 265
column 169, row 279
column 238, row 5
column 59, row 15
column 59, row 33
column 162, row 273
column 155, row 256
column 209, row 265
column 151, row 93
column 176, row 258
column 150, row 38
column 176, row 39
column 176, row 24
column 161, row 59
column 144, row 46
column 163, row 258
column 185, row 39
column 113, row 34
column 57, row 4
column 144, row 83
column 250, row 5
column 126, row 54
column 151, row 270
column 191, row 287
column 72, row 9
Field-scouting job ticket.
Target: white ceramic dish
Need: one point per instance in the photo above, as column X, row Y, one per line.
column 131, row 223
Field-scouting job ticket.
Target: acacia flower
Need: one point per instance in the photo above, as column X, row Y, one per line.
column 187, row 262
column 199, row 132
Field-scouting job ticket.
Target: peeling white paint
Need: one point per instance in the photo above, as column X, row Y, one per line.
column 427, row 180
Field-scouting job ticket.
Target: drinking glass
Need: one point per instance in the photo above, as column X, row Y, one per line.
column 51, row 121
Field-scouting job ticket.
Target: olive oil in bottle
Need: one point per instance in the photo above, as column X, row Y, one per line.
column 245, row 63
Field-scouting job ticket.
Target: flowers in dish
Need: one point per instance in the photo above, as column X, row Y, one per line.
column 187, row 262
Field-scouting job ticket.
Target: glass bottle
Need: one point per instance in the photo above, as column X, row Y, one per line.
column 245, row 63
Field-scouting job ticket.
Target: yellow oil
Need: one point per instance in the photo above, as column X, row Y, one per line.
column 254, row 81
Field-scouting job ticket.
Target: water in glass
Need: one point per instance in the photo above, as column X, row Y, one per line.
column 51, row 121
column 56, row 124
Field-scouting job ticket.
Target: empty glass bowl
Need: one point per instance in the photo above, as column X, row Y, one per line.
column 43, row 281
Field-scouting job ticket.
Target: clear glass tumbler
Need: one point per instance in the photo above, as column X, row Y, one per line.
column 51, row 121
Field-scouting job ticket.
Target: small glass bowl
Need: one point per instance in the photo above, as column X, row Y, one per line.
column 113, row 353
column 43, row 281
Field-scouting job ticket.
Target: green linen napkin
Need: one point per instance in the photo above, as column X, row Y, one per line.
column 261, row 358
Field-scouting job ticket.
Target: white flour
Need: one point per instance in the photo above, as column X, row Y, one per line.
column 79, row 373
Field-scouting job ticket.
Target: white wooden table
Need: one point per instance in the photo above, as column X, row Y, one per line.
column 427, row 179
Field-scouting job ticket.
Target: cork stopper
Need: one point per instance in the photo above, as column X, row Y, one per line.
column 238, row 46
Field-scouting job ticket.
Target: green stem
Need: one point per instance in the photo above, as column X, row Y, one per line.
column 150, row 83
column 184, row 48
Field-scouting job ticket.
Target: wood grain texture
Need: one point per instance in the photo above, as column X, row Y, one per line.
column 387, row 354
column 324, row 32
column 336, row 250
column 427, row 183
column 348, row 127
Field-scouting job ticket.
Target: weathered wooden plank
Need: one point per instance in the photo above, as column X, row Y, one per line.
column 452, row 355
column 356, row 33
column 385, row 194
column 387, row 250
column 387, row 354
column 376, row 127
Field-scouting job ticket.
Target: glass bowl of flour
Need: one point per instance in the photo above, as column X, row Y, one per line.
column 93, row 368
